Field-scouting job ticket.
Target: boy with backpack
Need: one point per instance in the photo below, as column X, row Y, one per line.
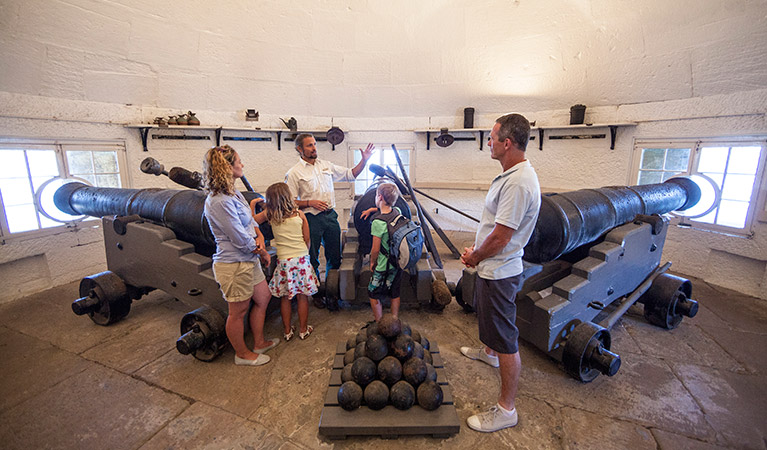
column 385, row 276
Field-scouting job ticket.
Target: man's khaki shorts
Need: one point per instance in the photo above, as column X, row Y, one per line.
column 237, row 279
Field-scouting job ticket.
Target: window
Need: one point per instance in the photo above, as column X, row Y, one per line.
column 26, row 166
column 383, row 155
column 735, row 166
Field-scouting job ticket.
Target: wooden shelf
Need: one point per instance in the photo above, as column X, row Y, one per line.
column 541, row 132
column 320, row 134
column 144, row 132
column 612, row 126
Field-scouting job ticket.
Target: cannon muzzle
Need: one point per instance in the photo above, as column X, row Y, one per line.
column 571, row 219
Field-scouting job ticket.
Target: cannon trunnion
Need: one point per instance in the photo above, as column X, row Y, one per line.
column 593, row 254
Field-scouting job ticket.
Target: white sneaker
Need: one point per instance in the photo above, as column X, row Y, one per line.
column 261, row 360
column 492, row 420
column 480, row 354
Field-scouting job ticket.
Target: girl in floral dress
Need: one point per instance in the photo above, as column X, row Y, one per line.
column 294, row 275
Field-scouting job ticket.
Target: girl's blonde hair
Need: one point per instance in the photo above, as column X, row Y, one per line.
column 218, row 170
column 279, row 203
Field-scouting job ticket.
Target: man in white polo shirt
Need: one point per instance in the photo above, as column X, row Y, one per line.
column 508, row 219
column 311, row 182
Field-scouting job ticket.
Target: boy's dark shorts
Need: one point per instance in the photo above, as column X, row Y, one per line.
column 494, row 301
column 378, row 292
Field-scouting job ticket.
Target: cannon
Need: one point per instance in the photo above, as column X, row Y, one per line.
column 154, row 239
column 593, row 254
column 424, row 287
column 348, row 284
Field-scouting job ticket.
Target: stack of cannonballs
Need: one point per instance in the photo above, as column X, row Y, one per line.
column 388, row 363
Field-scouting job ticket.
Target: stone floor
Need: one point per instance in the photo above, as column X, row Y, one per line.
column 68, row 383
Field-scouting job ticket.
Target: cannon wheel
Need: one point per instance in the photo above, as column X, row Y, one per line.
column 459, row 297
column 112, row 302
column 210, row 326
column 585, row 344
column 667, row 300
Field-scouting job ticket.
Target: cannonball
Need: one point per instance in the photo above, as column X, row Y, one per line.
column 427, row 358
column 350, row 396
column 346, row 373
column 425, row 342
column 414, row 371
column 363, row 371
column 431, row 372
column 377, row 395
column 406, row 329
column 349, row 356
column 402, row 395
column 361, row 337
column 376, row 347
column 416, row 335
column 372, row 329
column 390, row 370
column 417, row 350
column 429, row 395
column 389, row 326
column 402, row 347
column 351, row 342
column 359, row 350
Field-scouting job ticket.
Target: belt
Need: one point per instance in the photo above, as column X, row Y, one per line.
column 322, row 212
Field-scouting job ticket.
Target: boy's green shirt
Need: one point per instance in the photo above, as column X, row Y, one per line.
column 380, row 229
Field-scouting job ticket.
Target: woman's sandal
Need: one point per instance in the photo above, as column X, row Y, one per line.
column 305, row 335
column 289, row 336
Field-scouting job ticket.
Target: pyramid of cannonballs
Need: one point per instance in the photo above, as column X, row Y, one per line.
column 388, row 363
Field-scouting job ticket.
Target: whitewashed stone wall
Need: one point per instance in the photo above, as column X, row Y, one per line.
column 80, row 69
column 733, row 262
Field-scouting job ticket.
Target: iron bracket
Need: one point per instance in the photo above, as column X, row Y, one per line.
column 613, row 131
column 144, row 132
column 218, row 136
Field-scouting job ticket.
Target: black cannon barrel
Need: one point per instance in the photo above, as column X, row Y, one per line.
column 366, row 201
column 180, row 210
column 571, row 219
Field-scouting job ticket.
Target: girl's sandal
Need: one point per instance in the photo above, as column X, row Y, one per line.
column 305, row 335
column 289, row 336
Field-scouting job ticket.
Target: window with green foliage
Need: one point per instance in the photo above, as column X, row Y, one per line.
column 26, row 166
column 735, row 166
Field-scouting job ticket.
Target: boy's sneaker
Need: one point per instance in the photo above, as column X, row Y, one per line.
column 492, row 420
column 480, row 354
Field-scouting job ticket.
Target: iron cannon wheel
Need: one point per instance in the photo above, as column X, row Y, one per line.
column 459, row 297
column 668, row 300
column 587, row 353
column 212, row 326
column 112, row 296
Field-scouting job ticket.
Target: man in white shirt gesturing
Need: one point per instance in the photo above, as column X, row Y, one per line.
column 311, row 182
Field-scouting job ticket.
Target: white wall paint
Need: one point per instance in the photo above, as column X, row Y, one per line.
column 82, row 68
column 379, row 59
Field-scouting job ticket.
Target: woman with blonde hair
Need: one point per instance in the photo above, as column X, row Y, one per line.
column 236, row 265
